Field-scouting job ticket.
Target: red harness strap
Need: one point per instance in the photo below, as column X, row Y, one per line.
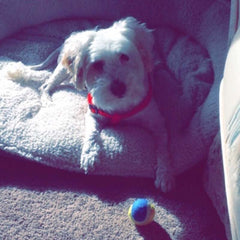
column 117, row 117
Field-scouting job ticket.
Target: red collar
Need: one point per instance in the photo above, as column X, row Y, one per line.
column 117, row 117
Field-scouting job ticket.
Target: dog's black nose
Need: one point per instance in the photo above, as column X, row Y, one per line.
column 118, row 88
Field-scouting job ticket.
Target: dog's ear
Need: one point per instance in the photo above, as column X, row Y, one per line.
column 141, row 36
column 74, row 55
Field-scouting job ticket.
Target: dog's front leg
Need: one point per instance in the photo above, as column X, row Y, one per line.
column 164, row 176
column 164, row 179
column 92, row 143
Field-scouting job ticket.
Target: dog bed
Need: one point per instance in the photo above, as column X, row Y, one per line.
column 52, row 134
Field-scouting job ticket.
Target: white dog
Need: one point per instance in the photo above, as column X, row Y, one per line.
column 115, row 65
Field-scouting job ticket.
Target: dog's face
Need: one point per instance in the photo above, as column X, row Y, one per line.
column 115, row 72
column 113, row 64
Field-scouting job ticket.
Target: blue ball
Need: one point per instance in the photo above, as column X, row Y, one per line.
column 141, row 212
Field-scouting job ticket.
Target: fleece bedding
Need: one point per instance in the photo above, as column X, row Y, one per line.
column 52, row 134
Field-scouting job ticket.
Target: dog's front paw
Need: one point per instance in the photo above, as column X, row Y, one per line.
column 164, row 181
column 89, row 157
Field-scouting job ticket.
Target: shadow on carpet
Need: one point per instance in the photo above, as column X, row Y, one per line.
column 101, row 204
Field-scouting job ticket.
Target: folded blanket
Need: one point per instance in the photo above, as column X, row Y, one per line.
column 53, row 133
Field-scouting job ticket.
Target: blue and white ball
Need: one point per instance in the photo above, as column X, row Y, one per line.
column 141, row 212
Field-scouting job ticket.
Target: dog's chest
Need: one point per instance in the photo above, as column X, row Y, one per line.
column 149, row 118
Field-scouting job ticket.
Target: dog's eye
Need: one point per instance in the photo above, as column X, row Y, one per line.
column 124, row 58
column 98, row 66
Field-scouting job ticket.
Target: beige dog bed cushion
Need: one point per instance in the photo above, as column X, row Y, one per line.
column 52, row 133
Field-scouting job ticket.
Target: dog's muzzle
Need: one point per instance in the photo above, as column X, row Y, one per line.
column 115, row 118
column 118, row 88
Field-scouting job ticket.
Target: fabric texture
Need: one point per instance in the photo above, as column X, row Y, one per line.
column 52, row 132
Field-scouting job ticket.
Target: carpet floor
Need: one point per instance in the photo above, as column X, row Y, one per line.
column 40, row 202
